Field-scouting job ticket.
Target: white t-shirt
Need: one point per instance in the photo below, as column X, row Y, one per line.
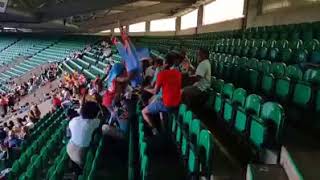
column 82, row 130
column 150, row 71
column 204, row 70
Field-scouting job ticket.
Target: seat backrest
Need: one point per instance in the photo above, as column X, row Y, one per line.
column 144, row 167
column 258, row 131
column 228, row 90
column 267, row 84
column 218, row 87
column 253, row 104
column 282, row 88
column 286, row 55
column 273, row 112
column 194, row 130
column 302, row 94
column 312, row 76
column 239, row 96
column 206, row 144
column 187, row 118
column 278, row 69
column 182, row 110
column 293, row 73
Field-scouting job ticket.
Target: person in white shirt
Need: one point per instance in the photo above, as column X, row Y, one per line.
column 193, row 95
column 82, row 129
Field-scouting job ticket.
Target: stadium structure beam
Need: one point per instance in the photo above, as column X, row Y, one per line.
column 142, row 13
column 72, row 8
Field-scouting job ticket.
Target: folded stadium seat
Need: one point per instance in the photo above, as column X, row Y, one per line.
column 278, row 69
column 281, row 44
column 262, row 53
column 285, row 55
column 231, row 105
column 295, row 44
column 264, row 66
column 299, row 56
column 253, row 52
column 273, row 54
column 311, row 45
column 267, row 84
column 227, row 93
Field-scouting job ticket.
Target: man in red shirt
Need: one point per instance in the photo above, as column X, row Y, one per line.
column 169, row 80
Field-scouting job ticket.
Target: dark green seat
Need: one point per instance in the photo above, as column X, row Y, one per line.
column 267, row 84
column 219, row 98
column 231, row 105
column 243, row 114
column 206, row 153
column 294, row 73
column 273, row 115
column 285, row 55
column 273, row 55
column 258, row 132
column 278, row 69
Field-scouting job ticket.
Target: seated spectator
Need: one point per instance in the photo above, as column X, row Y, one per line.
column 12, row 140
column 169, row 80
column 4, row 153
column 30, row 123
column 23, row 133
column 82, row 129
column 34, row 113
column 195, row 94
column 56, row 101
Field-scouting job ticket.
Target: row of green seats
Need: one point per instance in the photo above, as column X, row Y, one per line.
column 305, row 31
column 297, row 91
column 144, row 161
column 260, row 124
column 36, row 157
column 57, row 169
column 92, row 160
column 195, row 143
column 40, row 127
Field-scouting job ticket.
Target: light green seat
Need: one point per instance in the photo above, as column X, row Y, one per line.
column 230, row 107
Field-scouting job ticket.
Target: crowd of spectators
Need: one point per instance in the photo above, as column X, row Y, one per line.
column 101, row 104
column 17, row 91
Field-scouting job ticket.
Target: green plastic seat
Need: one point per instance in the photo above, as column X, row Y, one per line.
column 285, row 55
column 273, row 54
column 299, row 56
column 264, row 66
column 267, row 85
column 273, row 114
column 258, row 132
column 262, row 53
column 282, row 88
column 206, row 153
column 243, row 114
column 294, row 73
column 253, row 81
column 230, row 107
column 144, row 168
column 278, row 69
column 226, row 94
column 312, row 76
